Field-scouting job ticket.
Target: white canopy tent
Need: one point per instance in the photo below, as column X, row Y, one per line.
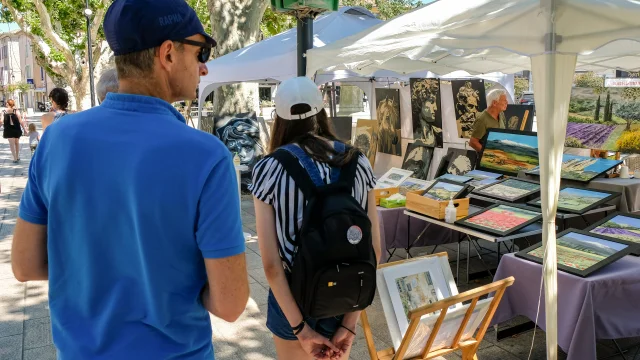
column 275, row 58
column 550, row 37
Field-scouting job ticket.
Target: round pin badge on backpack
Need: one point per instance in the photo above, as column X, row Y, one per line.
column 354, row 234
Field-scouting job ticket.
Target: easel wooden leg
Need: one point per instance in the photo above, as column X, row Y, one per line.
column 368, row 336
column 469, row 353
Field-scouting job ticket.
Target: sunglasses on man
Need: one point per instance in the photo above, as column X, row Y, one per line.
column 205, row 49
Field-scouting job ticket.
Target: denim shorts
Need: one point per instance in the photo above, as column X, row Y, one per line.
column 278, row 324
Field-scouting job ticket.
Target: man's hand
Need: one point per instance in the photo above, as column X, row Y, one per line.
column 316, row 345
column 342, row 339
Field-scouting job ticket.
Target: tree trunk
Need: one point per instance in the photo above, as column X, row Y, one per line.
column 597, row 115
column 235, row 25
column 607, row 108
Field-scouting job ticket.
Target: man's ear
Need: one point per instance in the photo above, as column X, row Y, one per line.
column 167, row 54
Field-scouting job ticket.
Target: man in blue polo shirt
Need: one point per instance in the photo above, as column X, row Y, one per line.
column 131, row 215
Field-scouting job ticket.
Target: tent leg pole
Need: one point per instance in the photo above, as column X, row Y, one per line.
column 305, row 42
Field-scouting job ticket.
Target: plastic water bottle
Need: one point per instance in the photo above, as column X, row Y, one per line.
column 450, row 213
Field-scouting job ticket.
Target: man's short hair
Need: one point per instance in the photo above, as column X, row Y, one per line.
column 107, row 83
column 135, row 64
column 494, row 95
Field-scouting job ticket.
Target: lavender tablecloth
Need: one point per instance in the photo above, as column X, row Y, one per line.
column 393, row 231
column 601, row 306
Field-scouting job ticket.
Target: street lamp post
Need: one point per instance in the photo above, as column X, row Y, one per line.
column 87, row 14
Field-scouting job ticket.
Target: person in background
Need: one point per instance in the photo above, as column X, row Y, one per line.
column 133, row 216
column 34, row 137
column 13, row 128
column 59, row 98
column 108, row 83
column 279, row 206
column 492, row 117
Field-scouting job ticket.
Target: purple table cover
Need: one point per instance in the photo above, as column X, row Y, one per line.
column 605, row 305
column 393, row 231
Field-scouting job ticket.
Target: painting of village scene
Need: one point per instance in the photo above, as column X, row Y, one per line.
column 578, row 200
column 510, row 189
column 414, row 185
column 580, row 251
column 620, row 227
column 442, row 190
column 603, row 118
column 508, row 153
column 501, row 219
column 415, row 291
column 482, row 178
column 582, row 168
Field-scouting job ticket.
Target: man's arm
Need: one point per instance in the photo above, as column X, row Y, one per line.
column 227, row 291
column 221, row 241
column 29, row 252
column 475, row 144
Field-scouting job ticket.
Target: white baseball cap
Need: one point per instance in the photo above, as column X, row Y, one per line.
column 298, row 98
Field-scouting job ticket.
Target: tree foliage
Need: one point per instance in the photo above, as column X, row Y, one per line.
column 630, row 111
column 631, row 94
column 590, row 80
column 385, row 9
column 57, row 30
column 520, row 85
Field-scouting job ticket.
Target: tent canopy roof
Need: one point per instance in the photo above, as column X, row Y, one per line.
column 481, row 36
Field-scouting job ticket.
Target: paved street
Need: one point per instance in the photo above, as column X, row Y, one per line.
column 24, row 316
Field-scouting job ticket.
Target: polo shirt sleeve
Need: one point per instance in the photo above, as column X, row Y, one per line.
column 479, row 127
column 32, row 207
column 219, row 226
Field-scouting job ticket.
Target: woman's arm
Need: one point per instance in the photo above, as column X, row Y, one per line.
column 47, row 119
column 372, row 211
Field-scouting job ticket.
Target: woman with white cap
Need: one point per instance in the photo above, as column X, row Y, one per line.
column 300, row 119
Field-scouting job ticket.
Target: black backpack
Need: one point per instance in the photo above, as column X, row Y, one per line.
column 334, row 267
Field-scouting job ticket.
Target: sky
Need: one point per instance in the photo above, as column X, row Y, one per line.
column 531, row 141
column 4, row 27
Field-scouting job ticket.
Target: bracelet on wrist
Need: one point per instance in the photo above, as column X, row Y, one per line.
column 298, row 329
column 349, row 330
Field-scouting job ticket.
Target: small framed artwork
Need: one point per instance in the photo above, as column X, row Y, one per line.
column 509, row 151
column 394, row 177
column 457, row 162
column 582, row 168
column 578, row 200
column 501, row 219
column 510, row 189
column 417, row 158
column 581, row 253
column 483, row 178
column 455, row 178
column 442, row 190
column 413, row 184
column 620, row 226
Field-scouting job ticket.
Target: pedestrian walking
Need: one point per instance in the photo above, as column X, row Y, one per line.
column 59, row 98
column 133, row 216
column 13, row 128
column 290, row 211
column 34, row 138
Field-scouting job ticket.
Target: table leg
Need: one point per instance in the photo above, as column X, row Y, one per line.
column 468, row 256
column 481, row 259
column 499, row 250
column 458, row 264
column 408, row 237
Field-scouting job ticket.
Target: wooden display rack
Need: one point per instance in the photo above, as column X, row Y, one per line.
column 468, row 347
column 434, row 208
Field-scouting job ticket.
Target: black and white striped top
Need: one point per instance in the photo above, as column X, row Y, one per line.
column 273, row 186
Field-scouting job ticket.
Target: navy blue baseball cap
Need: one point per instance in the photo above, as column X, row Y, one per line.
column 135, row 25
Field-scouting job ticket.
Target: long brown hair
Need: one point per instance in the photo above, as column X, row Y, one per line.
column 308, row 134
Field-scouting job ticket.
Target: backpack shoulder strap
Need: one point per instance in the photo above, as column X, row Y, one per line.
column 294, row 169
column 348, row 173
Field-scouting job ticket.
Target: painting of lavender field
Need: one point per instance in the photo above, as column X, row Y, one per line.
column 620, row 227
column 590, row 136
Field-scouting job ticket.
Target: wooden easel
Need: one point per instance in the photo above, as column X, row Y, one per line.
column 468, row 347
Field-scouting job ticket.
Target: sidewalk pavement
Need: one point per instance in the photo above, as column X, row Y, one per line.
column 25, row 327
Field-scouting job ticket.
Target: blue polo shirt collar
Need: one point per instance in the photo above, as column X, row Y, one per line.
column 142, row 104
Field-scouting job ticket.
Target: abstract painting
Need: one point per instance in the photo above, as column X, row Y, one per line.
column 425, row 111
column 620, row 226
column 457, row 162
column 469, row 99
column 241, row 134
column 444, row 190
column 581, row 253
column 578, row 200
column 501, row 219
column 507, row 152
column 582, row 168
column 388, row 113
column 510, row 189
column 519, row 117
column 366, row 138
column 343, row 127
column 417, row 158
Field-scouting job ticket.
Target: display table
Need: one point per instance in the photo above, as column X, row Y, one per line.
column 629, row 201
column 394, row 231
column 601, row 306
